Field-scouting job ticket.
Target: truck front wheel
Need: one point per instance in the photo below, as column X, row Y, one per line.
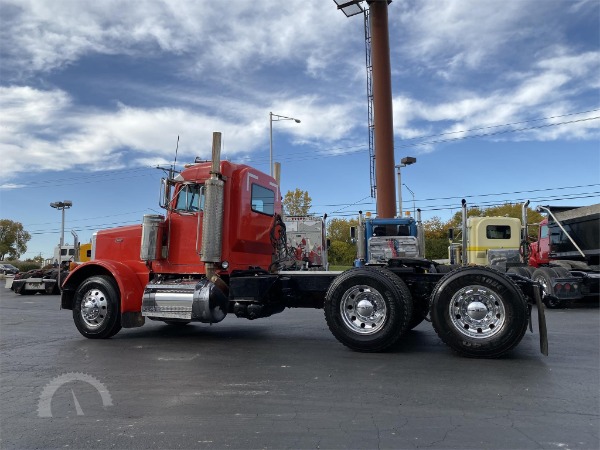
column 96, row 310
column 479, row 312
column 368, row 309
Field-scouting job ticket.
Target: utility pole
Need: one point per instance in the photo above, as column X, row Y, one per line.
column 383, row 127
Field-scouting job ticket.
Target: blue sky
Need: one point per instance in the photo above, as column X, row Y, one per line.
column 499, row 101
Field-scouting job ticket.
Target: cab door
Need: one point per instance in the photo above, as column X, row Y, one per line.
column 184, row 226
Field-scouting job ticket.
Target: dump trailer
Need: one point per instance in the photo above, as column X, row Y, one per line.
column 220, row 247
column 566, row 254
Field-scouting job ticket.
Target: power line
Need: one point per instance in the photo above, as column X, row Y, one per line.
column 456, row 206
column 441, row 141
column 503, row 125
column 88, row 218
column 480, row 195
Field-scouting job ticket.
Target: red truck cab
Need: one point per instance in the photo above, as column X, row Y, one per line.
column 540, row 249
column 251, row 199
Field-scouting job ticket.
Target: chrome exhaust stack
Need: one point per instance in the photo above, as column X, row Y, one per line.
column 212, row 223
column 464, row 256
column 212, row 301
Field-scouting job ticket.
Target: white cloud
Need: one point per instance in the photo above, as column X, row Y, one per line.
column 549, row 88
column 94, row 139
column 309, row 63
column 238, row 35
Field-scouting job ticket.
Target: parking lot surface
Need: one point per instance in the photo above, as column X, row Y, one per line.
column 285, row 382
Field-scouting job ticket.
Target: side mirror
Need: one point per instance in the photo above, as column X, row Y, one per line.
column 165, row 193
column 353, row 234
column 328, row 243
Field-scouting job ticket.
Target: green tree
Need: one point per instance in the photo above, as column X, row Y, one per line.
column 506, row 210
column 339, row 229
column 13, row 239
column 436, row 238
column 297, row 203
column 342, row 251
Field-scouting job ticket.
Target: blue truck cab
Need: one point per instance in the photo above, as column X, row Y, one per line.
column 378, row 240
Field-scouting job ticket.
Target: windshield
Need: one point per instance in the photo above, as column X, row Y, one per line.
column 190, row 198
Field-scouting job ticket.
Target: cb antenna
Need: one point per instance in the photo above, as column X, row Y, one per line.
column 175, row 160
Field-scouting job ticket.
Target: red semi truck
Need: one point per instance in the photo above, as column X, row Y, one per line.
column 566, row 254
column 219, row 250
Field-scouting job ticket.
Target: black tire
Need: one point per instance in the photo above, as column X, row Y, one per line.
column 545, row 276
column 479, row 312
column 100, row 298
column 373, row 291
column 561, row 272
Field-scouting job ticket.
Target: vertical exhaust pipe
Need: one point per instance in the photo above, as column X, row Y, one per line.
column 75, row 246
column 524, row 234
column 212, row 223
column 464, row 257
column 277, row 173
column 360, row 238
column 420, row 234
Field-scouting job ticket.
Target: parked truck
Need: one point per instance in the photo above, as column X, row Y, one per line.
column 307, row 242
column 380, row 239
column 492, row 241
column 217, row 251
column 566, row 254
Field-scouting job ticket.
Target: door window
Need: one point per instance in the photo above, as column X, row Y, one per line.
column 263, row 200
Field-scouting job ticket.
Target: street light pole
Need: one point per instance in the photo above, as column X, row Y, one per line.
column 275, row 118
column 66, row 204
column 406, row 161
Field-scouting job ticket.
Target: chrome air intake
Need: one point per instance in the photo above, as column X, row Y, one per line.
column 151, row 245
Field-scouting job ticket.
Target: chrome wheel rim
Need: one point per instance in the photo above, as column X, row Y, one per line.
column 94, row 308
column 363, row 310
column 477, row 312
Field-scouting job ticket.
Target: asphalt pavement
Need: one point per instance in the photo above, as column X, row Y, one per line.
column 284, row 382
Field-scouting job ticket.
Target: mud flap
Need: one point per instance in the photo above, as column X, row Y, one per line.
column 541, row 320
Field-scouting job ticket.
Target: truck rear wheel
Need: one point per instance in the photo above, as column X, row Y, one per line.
column 368, row 309
column 96, row 311
column 479, row 312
